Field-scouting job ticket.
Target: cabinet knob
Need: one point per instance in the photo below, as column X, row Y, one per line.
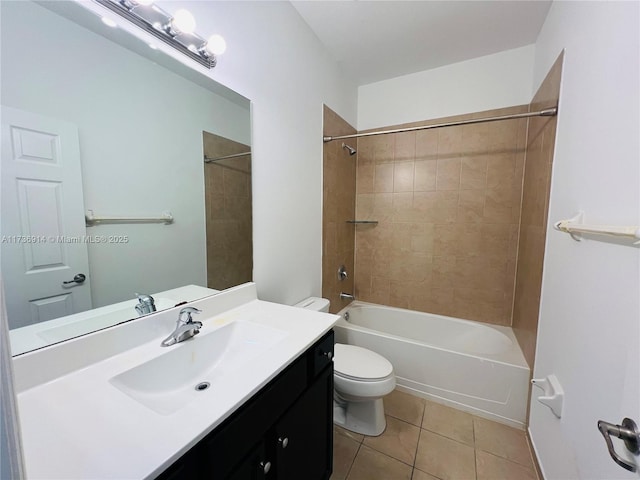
column 283, row 442
column 328, row 354
column 265, row 466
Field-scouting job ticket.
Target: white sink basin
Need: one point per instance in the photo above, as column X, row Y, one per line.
column 168, row 382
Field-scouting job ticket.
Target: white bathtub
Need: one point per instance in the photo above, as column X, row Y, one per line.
column 472, row 366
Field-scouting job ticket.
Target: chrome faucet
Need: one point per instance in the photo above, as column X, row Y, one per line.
column 186, row 327
column 346, row 296
column 145, row 304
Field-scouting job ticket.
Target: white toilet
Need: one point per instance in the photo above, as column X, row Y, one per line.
column 361, row 378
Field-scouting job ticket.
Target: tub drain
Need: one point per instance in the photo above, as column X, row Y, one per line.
column 202, row 386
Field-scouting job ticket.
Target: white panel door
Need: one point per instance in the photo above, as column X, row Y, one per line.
column 42, row 223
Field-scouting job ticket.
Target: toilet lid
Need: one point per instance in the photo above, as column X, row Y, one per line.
column 357, row 362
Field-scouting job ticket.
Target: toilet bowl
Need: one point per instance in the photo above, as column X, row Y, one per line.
column 361, row 378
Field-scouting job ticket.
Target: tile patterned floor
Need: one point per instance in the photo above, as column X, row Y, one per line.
column 428, row 441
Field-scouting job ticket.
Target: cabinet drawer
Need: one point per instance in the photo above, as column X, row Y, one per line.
column 322, row 353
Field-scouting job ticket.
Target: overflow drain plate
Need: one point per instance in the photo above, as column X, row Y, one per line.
column 202, row 386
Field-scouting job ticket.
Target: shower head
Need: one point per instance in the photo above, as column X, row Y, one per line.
column 352, row 151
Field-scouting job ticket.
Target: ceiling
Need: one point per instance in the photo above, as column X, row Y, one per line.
column 377, row 40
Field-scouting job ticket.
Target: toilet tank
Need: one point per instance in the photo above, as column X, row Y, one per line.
column 314, row 303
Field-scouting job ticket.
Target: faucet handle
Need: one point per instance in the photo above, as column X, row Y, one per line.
column 187, row 311
column 144, row 298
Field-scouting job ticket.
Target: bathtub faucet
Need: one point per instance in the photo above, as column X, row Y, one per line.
column 346, row 296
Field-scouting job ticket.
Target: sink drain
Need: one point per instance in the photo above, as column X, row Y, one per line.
column 202, row 386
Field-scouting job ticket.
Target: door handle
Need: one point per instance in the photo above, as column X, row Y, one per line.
column 629, row 433
column 78, row 279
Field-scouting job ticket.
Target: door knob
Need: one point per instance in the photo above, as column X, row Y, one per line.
column 629, row 433
column 78, row 279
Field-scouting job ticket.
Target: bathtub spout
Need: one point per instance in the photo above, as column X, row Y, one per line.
column 346, row 296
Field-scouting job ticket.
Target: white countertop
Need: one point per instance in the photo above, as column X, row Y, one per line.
column 76, row 424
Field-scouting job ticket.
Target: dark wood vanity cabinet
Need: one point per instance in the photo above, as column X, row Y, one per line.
column 284, row 432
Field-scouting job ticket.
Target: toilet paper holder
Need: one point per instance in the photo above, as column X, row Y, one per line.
column 553, row 393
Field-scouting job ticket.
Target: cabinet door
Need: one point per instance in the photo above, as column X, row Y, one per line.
column 304, row 435
column 256, row 466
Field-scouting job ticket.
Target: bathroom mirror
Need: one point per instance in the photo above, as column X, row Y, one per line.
column 91, row 128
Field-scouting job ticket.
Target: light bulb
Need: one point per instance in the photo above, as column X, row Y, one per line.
column 216, row 45
column 183, row 21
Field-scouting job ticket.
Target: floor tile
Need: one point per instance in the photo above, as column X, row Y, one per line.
column 404, row 406
column 490, row 467
column 502, row 440
column 399, row 440
column 358, row 437
column 449, row 422
column 372, row 465
column 344, row 452
column 445, row 458
column 420, row 475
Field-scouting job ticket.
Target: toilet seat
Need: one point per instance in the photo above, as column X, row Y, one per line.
column 359, row 364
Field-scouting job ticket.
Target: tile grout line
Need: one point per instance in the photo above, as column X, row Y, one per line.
column 352, row 462
column 475, row 451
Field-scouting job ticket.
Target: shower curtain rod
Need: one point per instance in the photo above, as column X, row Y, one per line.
column 549, row 112
column 234, row 155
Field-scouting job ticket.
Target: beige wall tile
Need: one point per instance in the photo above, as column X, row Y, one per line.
column 383, row 178
column 450, row 142
column 501, row 170
column 339, row 200
column 498, row 205
column 534, row 212
column 471, row 206
column 403, row 177
column 448, row 174
column 446, row 195
column 228, row 214
column 473, row 173
column 405, row 147
column 425, row 175
column 383, row 146
column 364, row 183
column 426, row 144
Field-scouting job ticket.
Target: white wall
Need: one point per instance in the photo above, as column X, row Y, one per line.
column 493, row 81
column 140, row 129
column 276, row 61
column 590, row 312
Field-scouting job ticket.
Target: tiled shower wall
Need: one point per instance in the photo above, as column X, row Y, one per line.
column 535, row 208
column 448, row 205
column 338, row 206
column 228, row 213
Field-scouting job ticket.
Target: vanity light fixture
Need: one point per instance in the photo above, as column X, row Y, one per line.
column 177, row 30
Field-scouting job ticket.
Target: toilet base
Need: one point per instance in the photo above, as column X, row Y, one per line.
column 366, row 418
